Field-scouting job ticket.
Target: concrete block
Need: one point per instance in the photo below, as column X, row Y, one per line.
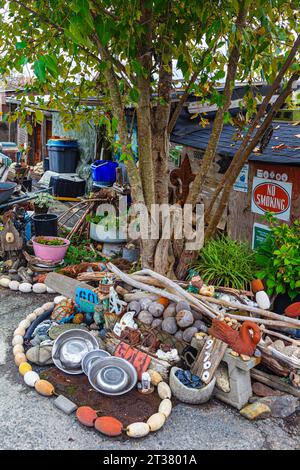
column 65, row 405
column 239, row 380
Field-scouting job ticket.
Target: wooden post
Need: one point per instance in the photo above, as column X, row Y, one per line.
column 209, row 358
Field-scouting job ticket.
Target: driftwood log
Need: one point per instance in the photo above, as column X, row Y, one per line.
column 273, row 382
column 248, row 308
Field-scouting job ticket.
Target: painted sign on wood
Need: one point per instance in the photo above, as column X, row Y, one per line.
column 271, row 196
column 86, row 300
column 209, row 358
column 140, row 360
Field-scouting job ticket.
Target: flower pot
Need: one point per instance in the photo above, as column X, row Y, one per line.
column 50, row 252
column 45, row 224
column 99, row 234
column 40, row 210
column 193, row 396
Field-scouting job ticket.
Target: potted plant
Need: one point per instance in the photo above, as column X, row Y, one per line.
column 42, row 202
column 108, row 228
column 279, row 261
column 50, row 248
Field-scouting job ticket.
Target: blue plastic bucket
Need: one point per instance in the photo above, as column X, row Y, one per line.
column 104, row 171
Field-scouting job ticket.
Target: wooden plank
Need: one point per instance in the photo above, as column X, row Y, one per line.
column 274, row 382
column 65, row 285
column 209, row 358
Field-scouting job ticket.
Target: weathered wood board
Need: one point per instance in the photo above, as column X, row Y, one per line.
column 209, row 358
column 65, row 285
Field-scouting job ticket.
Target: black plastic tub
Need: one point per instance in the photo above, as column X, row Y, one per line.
column 45, row 225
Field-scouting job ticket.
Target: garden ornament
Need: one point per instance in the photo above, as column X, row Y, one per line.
column 240, row 341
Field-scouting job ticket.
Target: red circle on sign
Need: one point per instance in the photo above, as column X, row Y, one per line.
column 271, row 197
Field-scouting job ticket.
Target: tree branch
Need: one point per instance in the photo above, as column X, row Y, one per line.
column 237, row 166
column 185, row 95
column 210, row 151
column 59, row 28
column 254, row 123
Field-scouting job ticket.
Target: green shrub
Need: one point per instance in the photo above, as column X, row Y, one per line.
column 279, row 258
column 226, row 262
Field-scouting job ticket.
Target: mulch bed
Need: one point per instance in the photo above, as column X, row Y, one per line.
column 128, row 408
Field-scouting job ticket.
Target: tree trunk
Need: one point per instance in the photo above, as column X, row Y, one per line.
column 143, row 110
column 160, row 135
column 210, row 151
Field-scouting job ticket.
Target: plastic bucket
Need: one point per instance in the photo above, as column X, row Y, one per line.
column 104, row 171
column 45, row 224
column 62, row 159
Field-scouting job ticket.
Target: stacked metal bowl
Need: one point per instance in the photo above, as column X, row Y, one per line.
column 77, row 351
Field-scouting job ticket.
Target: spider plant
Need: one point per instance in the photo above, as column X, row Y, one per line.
column 226, row 262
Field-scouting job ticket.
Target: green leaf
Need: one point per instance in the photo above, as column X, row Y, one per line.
column 51, row 65
column 40, row 70
column 20, row 45
column 134, row 95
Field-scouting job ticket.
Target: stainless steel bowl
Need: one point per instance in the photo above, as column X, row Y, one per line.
column 112, row 379
column 92, row 356
column 70, row 347
column 112, row 376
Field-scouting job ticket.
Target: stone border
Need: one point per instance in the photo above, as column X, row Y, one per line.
column 45, row 388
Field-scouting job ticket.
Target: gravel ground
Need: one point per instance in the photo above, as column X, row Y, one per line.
column 30, row 421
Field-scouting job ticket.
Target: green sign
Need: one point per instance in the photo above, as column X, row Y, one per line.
column 260, row 233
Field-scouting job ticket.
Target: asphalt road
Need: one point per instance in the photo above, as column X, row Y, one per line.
column 30, row 421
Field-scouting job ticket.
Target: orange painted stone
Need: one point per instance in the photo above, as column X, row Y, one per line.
column 163, row 301
column 293, row 310
column 78, row 319
column 86, row 415
column 109, row 426
column 257, row 285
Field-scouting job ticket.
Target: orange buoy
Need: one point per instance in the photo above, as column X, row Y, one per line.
column 86, row 415
column 109, row 426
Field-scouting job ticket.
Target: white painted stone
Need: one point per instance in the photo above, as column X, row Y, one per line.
column 38, row 311
column 24, row 324
column 18, row 348
column 39, row 288
column 48, row 306
column 20, row 331
column 17, row 340
column 262, row 300
column 31, row 317
column 25, row 287
column 14, row 285
column 31, row 377
column 59, row 298
column 4, row 282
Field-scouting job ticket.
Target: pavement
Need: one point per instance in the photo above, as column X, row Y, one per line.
column 30, row 421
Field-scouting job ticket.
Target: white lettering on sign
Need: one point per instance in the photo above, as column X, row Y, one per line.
column 271, row 196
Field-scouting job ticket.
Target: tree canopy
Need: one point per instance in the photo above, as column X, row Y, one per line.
column 128, row 54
